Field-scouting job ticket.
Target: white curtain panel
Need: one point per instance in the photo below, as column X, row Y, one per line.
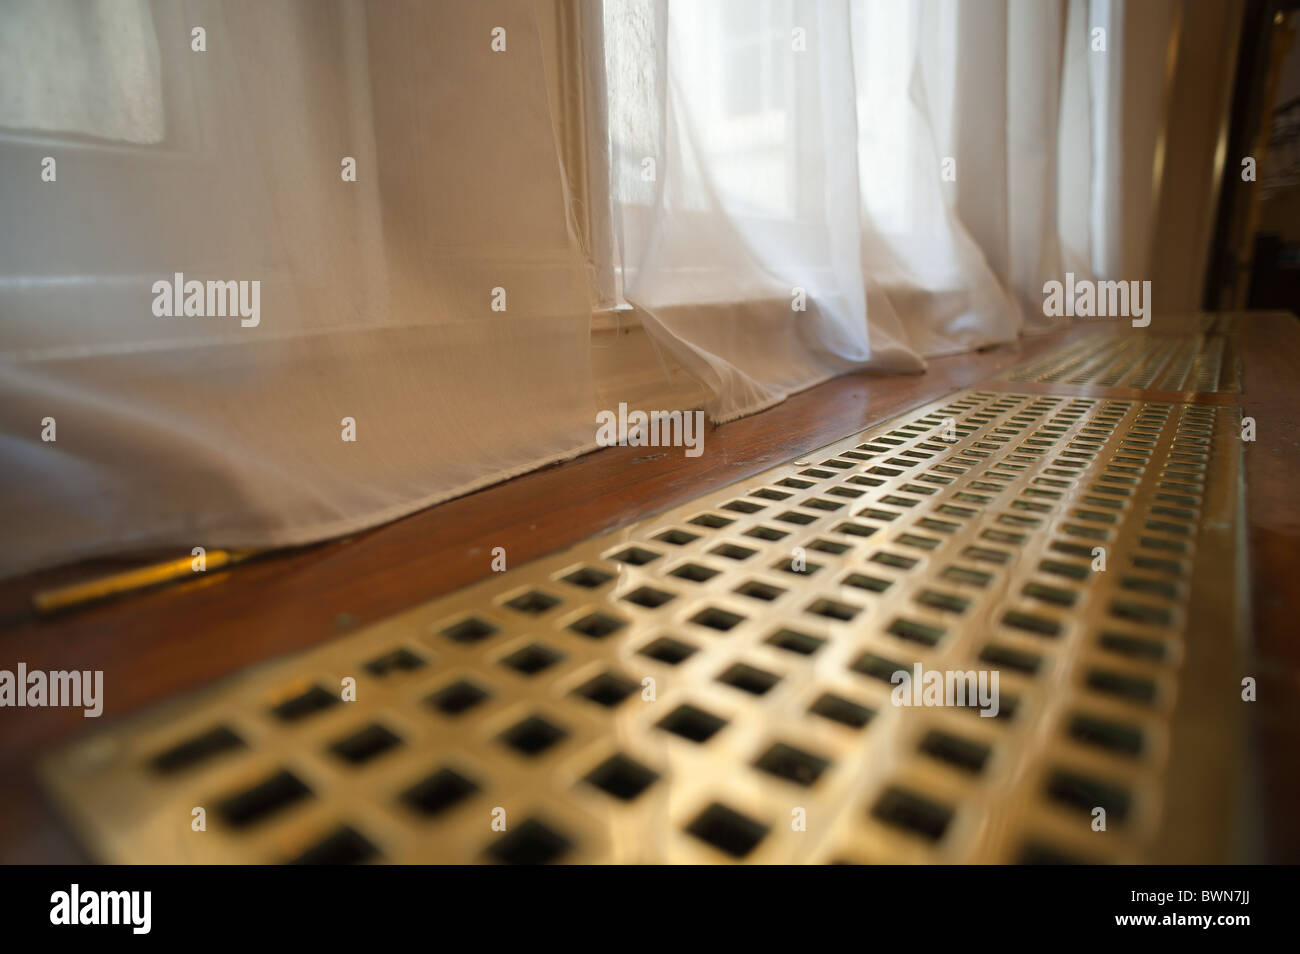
column 376, row 296
column 797, row 188
column 915, row 170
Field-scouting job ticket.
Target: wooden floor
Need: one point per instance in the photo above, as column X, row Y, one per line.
column 156, row 644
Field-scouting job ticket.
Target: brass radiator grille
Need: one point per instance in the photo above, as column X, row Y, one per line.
column 714, row 683
column 1190, row 362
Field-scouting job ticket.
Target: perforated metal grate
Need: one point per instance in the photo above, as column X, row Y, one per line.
column 768, row 618
column 1197, row 362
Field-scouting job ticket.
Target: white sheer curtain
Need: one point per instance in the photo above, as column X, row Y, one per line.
column 778, row 213
column 919, row 169
column 376, row 298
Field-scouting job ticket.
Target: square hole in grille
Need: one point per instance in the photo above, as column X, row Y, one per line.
column 863, row 582
column 961, row 753
column 1031, row 623
column 597, row 625
column 533, row 736
column 748, row 678
column 799, row 567
column 841, row 710
column 1084, row 793
column 792, row 764
column 678, row 538
column 986, row 555
column 344, row 846
column 945, row 602
column 915, row 813
column 305, row 704
column 719, row 619
column 649, row 597
column 819, row 503
column 532, row 659
column 1132, row 688
column 366, row 744
column 918, row 541
column 608, row 689
column 1141, row 613
column 759, row 591
column 894, row 500
column 733, row 552
column 833, row 609
column 1134, row 646
column 896, row 560
column 966, row 576
column 532, row 843
column 588, row 577
column 916, row 632
column 796, row 642
column 1056, row 595
column 1104, row 733
column 711, row 520
column 849, row 492
column 395, row 661
column 621, row 777
column 727, row 830
column 878, row 667
column 1040, row 853
column 458, row 697
column 196, row 750
column 438, row 793
column 471, row 630
column 634, row 556
column 855, row 529
column 1016, row 659
column 829, row 546
column 1141, row 584
column 694, row 572
column 692, row 723
column 534, row 602
column 665, row 649
column 261, row 801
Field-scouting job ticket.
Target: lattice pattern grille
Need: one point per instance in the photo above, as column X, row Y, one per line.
column 1198, row 363
column 769, row 618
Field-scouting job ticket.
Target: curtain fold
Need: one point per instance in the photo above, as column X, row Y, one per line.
column 918, row 168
